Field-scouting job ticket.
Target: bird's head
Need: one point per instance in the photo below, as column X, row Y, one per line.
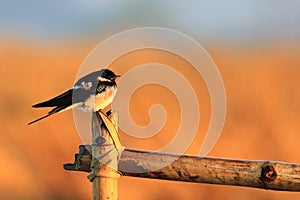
column 107, row 75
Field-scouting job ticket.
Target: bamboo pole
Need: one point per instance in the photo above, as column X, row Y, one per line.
column 258, row 174
column 104, row 160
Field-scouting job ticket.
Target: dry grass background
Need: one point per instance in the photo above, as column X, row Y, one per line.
column 263, row 113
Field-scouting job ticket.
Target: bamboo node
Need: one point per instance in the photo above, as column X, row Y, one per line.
column 268, row 173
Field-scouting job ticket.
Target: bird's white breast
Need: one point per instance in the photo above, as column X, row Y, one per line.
column 98, row 101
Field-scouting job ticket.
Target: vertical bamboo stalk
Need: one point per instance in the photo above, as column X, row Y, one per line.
column 105, row 187
column 104, row 174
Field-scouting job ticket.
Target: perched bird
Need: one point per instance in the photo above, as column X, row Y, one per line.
column 92, row 92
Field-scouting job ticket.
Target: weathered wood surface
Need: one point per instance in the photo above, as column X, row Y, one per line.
column 258, row 174
column 104, row 162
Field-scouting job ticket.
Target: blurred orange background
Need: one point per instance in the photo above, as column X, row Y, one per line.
column 262, row 123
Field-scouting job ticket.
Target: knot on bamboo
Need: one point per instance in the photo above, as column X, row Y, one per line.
column 268, row 173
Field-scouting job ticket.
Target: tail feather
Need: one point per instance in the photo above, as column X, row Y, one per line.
column 53, row 111
column 39, row 119
column 61, row 100
column 43, row 104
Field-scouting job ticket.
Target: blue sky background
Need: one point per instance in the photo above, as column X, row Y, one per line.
column 231, row 20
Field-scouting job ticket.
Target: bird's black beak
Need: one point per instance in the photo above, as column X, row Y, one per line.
column 117, row 76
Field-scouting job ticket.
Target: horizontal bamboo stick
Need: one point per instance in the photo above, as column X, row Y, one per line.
column 258, row 174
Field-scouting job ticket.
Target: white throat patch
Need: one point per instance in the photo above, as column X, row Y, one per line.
column 103, row 79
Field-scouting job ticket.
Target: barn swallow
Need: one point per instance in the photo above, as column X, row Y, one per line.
column 90, row 93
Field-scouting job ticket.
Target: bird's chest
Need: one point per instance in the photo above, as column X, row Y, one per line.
column 99, row 101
